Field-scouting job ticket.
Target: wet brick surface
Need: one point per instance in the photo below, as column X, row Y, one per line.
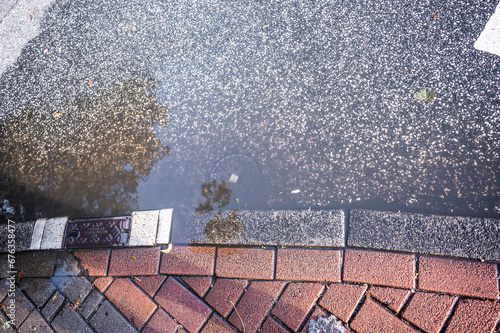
column 429, row 311
column 474, row 315
column 462, row 277
column 150, row 284
column 379, row 268
column 341, row 299
column 182, row 305
column 224, row 294
column 131, row 301
column 308, row 265
column 134, row 261
column 393, row 298
column 160, row 322
column 255, row 303
column 200, row 284
column 95, row 262
column 160, row 303
column 245, row 263
column 373, row 318
column 188, row 260
column 296, row 302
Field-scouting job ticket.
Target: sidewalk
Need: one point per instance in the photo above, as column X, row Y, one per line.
column 270, row 289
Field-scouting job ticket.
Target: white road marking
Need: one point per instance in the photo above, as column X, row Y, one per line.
column 489, row 40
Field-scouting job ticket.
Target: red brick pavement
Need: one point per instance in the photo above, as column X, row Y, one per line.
column 209, row 289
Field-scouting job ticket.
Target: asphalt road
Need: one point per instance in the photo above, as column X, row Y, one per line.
column 318, row 94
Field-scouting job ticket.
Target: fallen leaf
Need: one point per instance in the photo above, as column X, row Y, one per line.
column 58, row 114
column 168, row 249
column 266, row 26
column 436, row 16
column 132, row 257
column 21, row 274
column 90, row 82
column 426, row 94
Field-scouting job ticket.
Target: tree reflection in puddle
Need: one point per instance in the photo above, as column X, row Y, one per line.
column 222, row 226
column 84, row 158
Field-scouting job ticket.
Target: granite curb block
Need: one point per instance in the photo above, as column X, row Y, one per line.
column 273, row 227
column 461, row 237
column 465, row 237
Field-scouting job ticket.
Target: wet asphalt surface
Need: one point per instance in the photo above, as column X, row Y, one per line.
column 318, row 95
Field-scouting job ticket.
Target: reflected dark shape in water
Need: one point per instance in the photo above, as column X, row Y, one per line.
column 220, row 228
column 214, row 194
column 82, row 159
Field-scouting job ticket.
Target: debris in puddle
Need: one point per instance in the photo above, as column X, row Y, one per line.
column 326, row 325
column 426, row 94
column 295, row 191
column 233, row 178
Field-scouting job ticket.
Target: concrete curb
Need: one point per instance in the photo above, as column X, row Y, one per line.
column 463, row 237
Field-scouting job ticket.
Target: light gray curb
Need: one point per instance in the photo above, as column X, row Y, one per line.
column 464, row 237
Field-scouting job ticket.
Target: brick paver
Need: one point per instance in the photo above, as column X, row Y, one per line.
column 67, row 265
column 134, row 261
column 36, row 263
column 74, row 288
column 23, row 307
column 379, row 268
column 188, row 260
column 150, row 284
column 255, row 303
column 224, row 294
column 108, row 320
column 68, row 320
column 296, row 302
column 208, row 289
column 217, row 325
column 308, row 265
column 374, row 318
column 95, row 262
column 91, row 303
column 429, row 311
column 38, row 289
column 341, row 299
column 35, row 323
column 181, row 304
column 245, row 263
column 160, row 322
column 474, row 315
column 53, row 305
column 272, row 326
column 393, row 298
column 135, row 305
column 460, row 277
column 102, row 283
column 199, row 284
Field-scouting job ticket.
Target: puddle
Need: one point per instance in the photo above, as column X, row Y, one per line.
column 294, row 107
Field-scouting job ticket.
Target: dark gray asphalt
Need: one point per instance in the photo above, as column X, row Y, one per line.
column 318, row 94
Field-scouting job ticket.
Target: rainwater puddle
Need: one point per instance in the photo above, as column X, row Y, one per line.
column 119, row 106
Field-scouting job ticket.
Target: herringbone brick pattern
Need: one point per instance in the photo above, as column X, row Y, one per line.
column 210, row 289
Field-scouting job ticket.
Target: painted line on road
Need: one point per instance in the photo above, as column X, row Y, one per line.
column 489, row 39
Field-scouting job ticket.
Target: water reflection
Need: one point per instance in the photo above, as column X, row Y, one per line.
column 221, row 227
column 85, row 158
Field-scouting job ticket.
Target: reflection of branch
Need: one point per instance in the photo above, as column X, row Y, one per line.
column 214, row 194
column 86, row 156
